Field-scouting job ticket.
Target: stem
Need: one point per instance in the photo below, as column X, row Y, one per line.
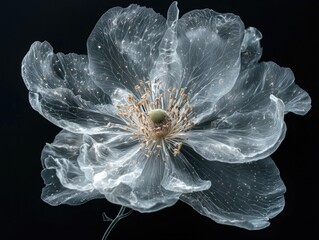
column 114, row 221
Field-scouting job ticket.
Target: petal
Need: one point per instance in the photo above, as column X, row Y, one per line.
column 242, row 136
column 168, row 67
column 244, row 195
column 65, row 182
column 145, row 193
column 112, row 159
column 129, row 177
column 121, row 170
column 54, row 193
column 81, row 167
column 209, row 47
column 250, row 48
column 280, row 82
column 61, row 90
column 67, row 167
column 240, row 127
column 257, row 83
column 180, row 176
column 123, row 46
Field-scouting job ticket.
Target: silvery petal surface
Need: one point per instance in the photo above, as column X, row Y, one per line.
column 250, row 49
column 209, row 47
column 62, row 91
column 242, row 136
column 78, row 168
column 248, row 122
column 180, row 175
column 65, row 182
column 123, row 47
column 245, row 195
column 121, row 170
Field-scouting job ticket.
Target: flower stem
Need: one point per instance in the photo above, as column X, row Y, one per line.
column 121, row 214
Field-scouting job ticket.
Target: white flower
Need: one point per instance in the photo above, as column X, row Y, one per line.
column 166, row 110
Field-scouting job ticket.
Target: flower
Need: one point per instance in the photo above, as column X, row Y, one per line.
column 162, row 110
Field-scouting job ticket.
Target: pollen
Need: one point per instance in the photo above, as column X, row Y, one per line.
column 158, row 117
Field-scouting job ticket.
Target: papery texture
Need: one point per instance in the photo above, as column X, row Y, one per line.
column 209, row 48
column 123, row 47
column 62, row 91
column 246, row 195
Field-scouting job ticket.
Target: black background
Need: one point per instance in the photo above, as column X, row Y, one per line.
column 289, row 38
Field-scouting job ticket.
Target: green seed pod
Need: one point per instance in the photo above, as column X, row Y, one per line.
column 157, row 115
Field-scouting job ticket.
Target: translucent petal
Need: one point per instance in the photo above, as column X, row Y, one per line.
column 244, row 195
column 149, row 183
column 113, row 164
column 145, row 194
column 180, row 176
column 168, row 66
column 107, row 153
column 242, row 136
column 65, row 182
column 120, row 97
column 123, row 46
column 117, row 161
column 131, row 178
column 61, row 90
column 67, row 178
column 209, row 46
column 250, row 48
column 112, row 159
column 54, row 193
column 120, row 169
column 256, row 84
column 280, row 82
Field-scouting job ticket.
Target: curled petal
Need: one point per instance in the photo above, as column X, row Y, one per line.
column 65, row 182
column 250, row 48
column 168, row 66
column 112, row 165
column 244, row 195
column 146, row 193
column 54, row 193
column 125, row 174
column 209, row 47
column 123, row 46
column 242, row 136
column 65, row 174
column 104, row 154
column 256, row 84
column 61, row 90
column 110, row 160
column 296, row 100
column 141, row 182
column 249, row 98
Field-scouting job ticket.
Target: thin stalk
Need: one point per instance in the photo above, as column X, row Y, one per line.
column 121, row 214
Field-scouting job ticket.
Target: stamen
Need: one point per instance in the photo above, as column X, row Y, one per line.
column 153, row 124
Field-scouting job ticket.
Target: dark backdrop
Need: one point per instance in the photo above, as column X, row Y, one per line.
column 289, row 29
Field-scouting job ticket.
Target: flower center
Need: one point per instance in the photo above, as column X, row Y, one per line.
column 160, row 123
column 157, row 116
column 146, row 118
